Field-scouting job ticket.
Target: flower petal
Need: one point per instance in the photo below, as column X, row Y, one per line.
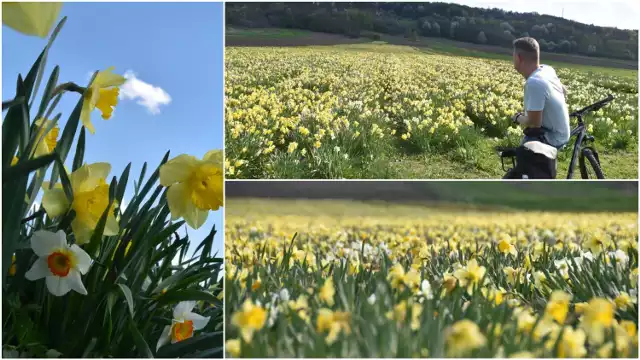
column 55, row 201
column 85, row 115
column 194, row 216
column 178, row 198
column 45, row 242
column 30, row 18
column 182, row 308
column 74, row 280
column 84, row 260
column 112, row 227
column 57, row 285
column 81, row 231
column 39, row 270
column 214, row 156
column 164, row 337
column 87, row 177
column 199, row 321
column 177, row 169
column 106, row 78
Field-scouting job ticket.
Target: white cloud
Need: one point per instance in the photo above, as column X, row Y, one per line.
column 149, row 96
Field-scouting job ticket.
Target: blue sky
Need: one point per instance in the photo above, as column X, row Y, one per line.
column 173, row 56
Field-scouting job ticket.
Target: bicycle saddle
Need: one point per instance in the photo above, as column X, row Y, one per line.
column 506, row 151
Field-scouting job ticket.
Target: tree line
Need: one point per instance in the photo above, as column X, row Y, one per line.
column 452, row 21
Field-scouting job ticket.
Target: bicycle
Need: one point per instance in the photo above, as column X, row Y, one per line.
column 587, row 156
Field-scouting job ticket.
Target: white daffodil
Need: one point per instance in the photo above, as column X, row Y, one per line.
column 183, row 325
column 58, row 262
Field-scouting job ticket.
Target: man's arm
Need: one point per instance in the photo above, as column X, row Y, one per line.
column 533, row 119
column 536, row 95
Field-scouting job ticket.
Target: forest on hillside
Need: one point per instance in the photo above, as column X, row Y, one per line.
column 445, row 20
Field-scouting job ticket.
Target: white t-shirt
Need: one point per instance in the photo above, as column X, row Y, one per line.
column 544, row 92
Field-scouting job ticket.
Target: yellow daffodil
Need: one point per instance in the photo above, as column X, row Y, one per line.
column 333, row 322
column 31, row 18
column 558, row 306
column 101, row 94
column 301, row 307
column 47, row 140
column 463, row 337
column 505, row 245
column 572, row 344
column 399, row 314
column 249, row 319
column 60, row 263
column 195, row 186
column 327, row 292
column 90, row 200
column 233, row 347
column 597, row 318
column 470, row 275
column 623, row 301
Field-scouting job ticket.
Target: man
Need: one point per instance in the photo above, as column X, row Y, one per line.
column 546, row 117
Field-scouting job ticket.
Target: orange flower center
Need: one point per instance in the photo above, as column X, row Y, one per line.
column 183, row 330
column 59, row 263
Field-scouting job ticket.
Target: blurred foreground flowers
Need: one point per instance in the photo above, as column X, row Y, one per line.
column 346, row 280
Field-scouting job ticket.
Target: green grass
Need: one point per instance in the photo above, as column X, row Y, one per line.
column 616, row 165
column 266, row 33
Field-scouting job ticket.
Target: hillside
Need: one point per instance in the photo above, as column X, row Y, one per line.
column 438, row 20
column 558, row 196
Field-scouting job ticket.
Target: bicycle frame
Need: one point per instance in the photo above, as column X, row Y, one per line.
column 580, row 132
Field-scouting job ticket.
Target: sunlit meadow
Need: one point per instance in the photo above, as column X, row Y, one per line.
column 354, row 111
column 344, row 279
column 84, row 275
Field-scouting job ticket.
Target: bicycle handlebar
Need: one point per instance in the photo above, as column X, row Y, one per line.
column 593, row 107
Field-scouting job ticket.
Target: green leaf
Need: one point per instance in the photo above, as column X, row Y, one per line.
column 10, row 134
column 79, row 155
column 127, row 295
column 64, row 179
column 69, row 133
column 48, row 91
column 213, row 353
column 189, row 346
column 53, row 353
column 30, row 80
column 52, row 38
column 141, row 344
column 13, row 209
column 122, row 184
column 175, row 296
column 24, row 168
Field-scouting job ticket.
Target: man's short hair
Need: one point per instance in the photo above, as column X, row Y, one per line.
column 528, row 48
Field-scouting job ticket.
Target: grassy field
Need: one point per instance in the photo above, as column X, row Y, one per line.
column 349, row 279
column 492, row 195
column 428, row 112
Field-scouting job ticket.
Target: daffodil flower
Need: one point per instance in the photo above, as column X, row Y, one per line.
column 58, row 262
column 101, row 94
column 195, row 186
column 463, row 337
column 30, row 18
column 183, row 325
column 249, row 319
column 46, row 141
column 90, row 200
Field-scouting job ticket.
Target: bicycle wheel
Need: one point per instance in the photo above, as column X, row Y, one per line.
column 590, row 169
